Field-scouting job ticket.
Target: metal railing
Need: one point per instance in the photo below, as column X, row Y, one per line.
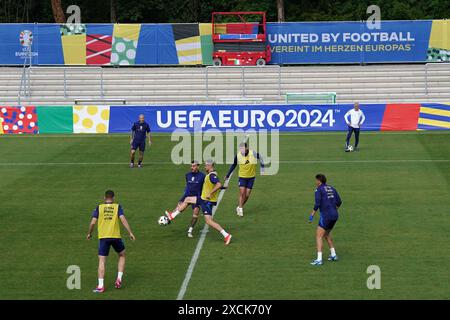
column 243, row 100
column 243, row 76
column 67, row 72
column 100, row 100
column 426, row 67
column 25, row 78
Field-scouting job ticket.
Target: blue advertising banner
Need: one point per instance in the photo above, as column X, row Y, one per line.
column 190, row 43
column 14, row 49
column 156, row 45
column 349, row 42
column 223, row 117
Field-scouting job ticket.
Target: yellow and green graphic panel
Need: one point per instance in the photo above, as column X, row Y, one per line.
column 206, row 41
column 125, row 44
column 73, row 39
column 439, row 46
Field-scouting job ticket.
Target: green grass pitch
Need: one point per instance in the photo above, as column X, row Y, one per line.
column 395, row 214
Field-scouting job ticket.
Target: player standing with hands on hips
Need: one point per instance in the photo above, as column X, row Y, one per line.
column 328, row 201
column 139, row 132
column 354, row 119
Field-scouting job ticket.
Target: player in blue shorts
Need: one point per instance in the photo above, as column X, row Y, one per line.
column 191, row 196
column 208, row 199
column 139, row 132
column 109, row 215
column 247, row 160
column 327, row 200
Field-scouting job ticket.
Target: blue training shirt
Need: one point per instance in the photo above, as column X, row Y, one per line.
column 95, row 213
column 327, row 199
column 140, row 130
column 194, row 184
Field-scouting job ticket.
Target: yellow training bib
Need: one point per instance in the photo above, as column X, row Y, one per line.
column 247, row 164
column 207, row 187
column 108, row 221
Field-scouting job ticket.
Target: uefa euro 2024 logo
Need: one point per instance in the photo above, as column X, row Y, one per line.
column 26, row 38
column 26, row 41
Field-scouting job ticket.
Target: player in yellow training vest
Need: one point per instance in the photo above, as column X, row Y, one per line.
column 207, row 198
column 247, row 160
column 108, row 215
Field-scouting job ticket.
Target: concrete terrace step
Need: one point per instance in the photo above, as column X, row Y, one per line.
column 370, row 83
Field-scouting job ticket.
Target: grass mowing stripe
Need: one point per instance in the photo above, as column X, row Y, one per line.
column 281, row 133
column 199, row 247
column 171, row 163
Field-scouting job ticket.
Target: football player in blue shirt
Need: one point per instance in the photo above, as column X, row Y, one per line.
column 327, row 200
column 139, row 132
column 191, row 195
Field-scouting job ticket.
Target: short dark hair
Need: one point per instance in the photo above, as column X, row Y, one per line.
column 109, row 194
column 321, row 177
column 243, row 144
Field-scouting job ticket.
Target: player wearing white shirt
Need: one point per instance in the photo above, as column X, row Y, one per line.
column 354, row 119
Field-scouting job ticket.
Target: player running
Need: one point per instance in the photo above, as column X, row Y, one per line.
column 327, row 200
column 191, row 196
column 108, row 215
column 139, row 132
column 208, row 199
column 354, row 124
column 247, row 160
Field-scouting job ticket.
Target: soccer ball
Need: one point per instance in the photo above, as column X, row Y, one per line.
column 163, row 221
column 349, row 148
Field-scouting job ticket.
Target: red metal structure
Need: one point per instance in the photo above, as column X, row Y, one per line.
column 240, row 38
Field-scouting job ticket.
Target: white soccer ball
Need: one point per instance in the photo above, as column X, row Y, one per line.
column 350, row 148
column 163, row 221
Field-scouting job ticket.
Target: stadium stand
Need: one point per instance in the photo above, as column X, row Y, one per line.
column 181, row 85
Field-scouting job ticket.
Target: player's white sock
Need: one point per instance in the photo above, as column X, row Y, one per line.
column 100, row 283
column 319, row 256
column 333, row 252
column 119, row 275
column 224, row 233
column 190, row 230
column 175, row 213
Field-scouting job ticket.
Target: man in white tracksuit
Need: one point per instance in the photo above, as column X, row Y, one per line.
column 354, row 119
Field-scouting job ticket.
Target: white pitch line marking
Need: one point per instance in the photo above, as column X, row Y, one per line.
column 198, row 248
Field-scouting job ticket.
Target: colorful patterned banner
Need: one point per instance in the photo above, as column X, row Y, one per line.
column 90, row 119
column 434, row 115
column 190, row 43
column 117, row 119
column 73, row 39
column 18, row 120
column 125, row 43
